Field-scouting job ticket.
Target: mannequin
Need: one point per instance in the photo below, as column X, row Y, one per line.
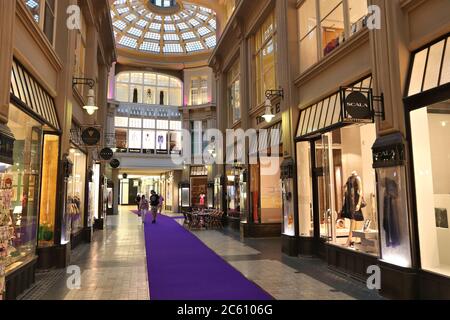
column 353, row 204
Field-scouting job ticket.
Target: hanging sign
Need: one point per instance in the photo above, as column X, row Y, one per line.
column 91, row 136
column 357, row 106
column 106, row 154
column 114, row 163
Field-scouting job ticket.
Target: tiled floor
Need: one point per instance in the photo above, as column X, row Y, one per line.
column 114, row 268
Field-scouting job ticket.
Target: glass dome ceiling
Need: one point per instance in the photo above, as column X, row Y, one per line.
column 138, row 26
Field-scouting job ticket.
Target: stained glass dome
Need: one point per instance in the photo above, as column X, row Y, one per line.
column 178, row 28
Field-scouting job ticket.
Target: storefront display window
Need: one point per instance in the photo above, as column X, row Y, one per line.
column 94, row 197
column 19, row 191
column 305, row 194
column 199, row 192
column 218, row 193
column 346, row 188
column 76, row 186
column 271, row 195
column 430, row 130
column 48, row 190
column 233, row 193
column 138, row 135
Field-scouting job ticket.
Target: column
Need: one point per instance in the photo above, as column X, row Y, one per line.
column 7, row 18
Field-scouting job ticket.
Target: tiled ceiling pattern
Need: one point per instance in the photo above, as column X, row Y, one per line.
column 191, row 30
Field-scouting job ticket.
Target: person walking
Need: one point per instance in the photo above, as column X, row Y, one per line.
column 161, row 203
column 154, row 203
column 138, row 201
column 143, row 207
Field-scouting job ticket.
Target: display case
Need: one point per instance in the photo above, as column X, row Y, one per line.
column 47, row 213
column 184, row 195
column 389, row 163
column 210, row 195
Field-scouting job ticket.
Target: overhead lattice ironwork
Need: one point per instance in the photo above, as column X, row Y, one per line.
column 138, row 26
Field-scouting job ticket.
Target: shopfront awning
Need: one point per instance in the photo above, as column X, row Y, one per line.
column 31, row 96
column 349, row 105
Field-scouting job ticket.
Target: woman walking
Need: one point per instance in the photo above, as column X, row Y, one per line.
column 143, row 207
column 161, row 204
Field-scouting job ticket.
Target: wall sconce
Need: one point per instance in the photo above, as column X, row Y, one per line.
column 90, row 107
column 268, row 115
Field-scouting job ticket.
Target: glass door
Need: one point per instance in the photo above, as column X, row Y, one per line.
column 329, row 186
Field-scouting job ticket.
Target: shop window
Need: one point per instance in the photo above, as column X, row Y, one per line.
column 76, row 190
column 19, row 190
column 48, row 190
column 305, row 196
column 149, row 139
column 430, row 129
column 44, row 13
column 324, row 24
column 270, row 190
column 199, row 91
column 233, row 193
column 121, row 140
column 347, row 188
column 149, row 88
column 199, row 192
column 135, row 139
column 234, row 94
column 265, row 58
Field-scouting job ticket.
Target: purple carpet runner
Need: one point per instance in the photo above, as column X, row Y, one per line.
column 181, row 267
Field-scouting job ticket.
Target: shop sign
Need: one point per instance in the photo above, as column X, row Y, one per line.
column 358, row 106
column 134, row 150
column 114, row 163
column 106, row 154
column 91, row 136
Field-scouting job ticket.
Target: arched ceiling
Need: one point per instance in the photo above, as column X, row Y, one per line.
column 141, row 29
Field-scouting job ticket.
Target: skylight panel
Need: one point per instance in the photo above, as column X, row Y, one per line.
column 194, row 46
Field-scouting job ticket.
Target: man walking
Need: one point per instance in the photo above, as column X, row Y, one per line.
column 154, row 203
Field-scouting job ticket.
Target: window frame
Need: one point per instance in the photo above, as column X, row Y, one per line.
column 233, row 77
column 173, row 85
column 43, row 4
column 259, row 45
column 347, row 33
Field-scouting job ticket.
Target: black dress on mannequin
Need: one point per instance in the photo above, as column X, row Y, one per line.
column 390, row 215
column 352, row 195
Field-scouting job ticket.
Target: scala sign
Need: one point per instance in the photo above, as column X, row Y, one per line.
column 357, row 106
column 91, row 136
column 106, row 154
